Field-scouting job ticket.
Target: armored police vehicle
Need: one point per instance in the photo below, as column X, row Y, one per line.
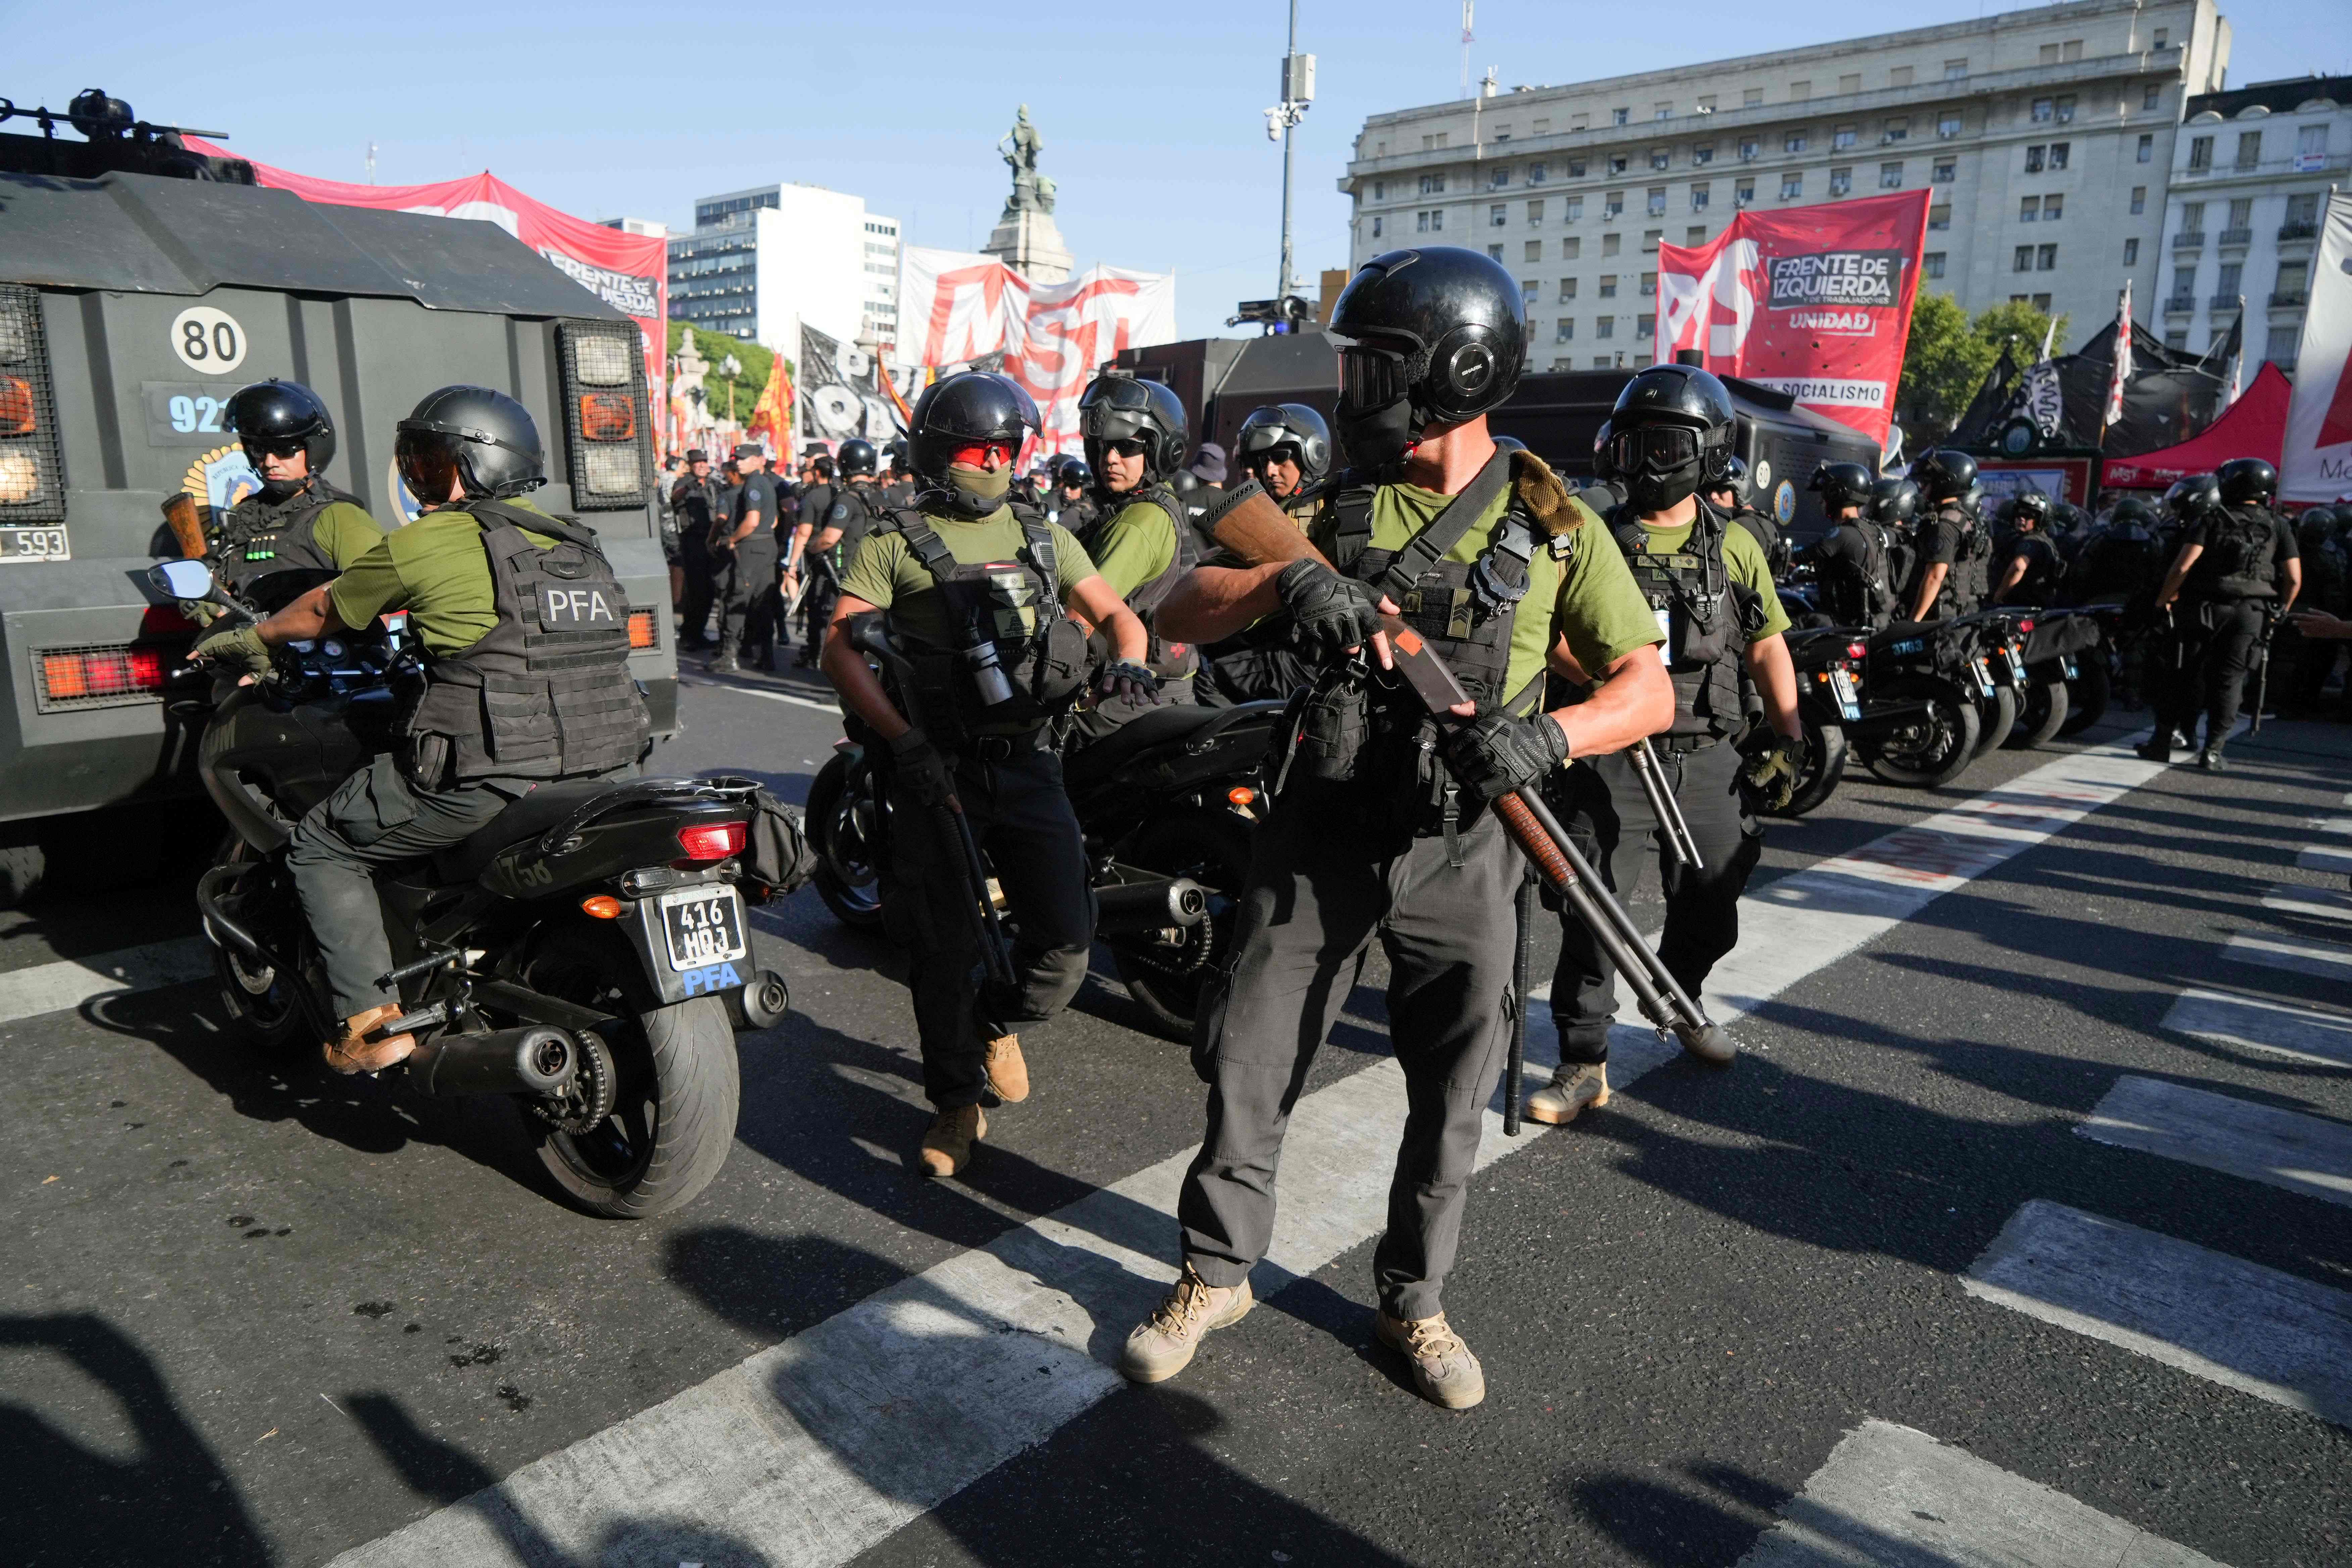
column 141, row 283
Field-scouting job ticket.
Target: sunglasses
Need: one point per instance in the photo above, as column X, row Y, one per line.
column 983, row 455
column 258, row 449
column 1125, row 447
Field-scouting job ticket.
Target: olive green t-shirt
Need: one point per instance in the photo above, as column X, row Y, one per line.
column 344, row 532
column 436, row 570
column 1135, row 546
column 886, row 574
column 1579, row 586
column 1743, row 559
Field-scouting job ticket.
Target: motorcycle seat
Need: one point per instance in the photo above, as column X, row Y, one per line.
column 1179, row 724
column 528, row 817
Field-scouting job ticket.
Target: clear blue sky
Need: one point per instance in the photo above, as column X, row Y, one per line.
column 1151, row 114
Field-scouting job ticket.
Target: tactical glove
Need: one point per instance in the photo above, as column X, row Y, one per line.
column 1771, row 776
column 1496, row 753
column 918, row 770
column 1330, row 614
column 202, row 612
column 238, row 651
column 1129, row 681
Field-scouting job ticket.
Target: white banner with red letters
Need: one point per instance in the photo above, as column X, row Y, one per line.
column 1814, row 302
column 955, row 307
column 2316, row 463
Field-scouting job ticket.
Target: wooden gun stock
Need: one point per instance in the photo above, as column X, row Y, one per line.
column 187, row 532
column 1248, row 525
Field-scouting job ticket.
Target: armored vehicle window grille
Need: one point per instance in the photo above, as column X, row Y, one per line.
column 606, row 418
column 99, row 675
column 32, row 465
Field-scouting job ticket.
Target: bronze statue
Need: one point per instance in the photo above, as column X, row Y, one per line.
column 1031, row 190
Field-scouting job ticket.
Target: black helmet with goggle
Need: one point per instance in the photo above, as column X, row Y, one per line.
column 479, row 437
column 1294, row 429
column 1670, row 435
column 1127, row 408
column 1432, row 336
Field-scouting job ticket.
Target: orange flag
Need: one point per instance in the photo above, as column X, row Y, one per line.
column 773, row 413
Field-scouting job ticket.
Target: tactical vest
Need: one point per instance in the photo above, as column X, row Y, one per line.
column 1011, row 621
column 1958, row 595
column 1979, row 562
column 855, row 510
column 546, row 693
column 260, row 536
column 2044, row 568
column 1696, row 601
column 2238, row 561
column 1860, row 591
column 1167, row 661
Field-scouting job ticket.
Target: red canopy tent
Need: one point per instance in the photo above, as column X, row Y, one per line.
column 2253, row 426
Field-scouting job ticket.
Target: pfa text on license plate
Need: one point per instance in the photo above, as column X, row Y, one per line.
column 704, row 926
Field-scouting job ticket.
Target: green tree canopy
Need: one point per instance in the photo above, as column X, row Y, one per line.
column 757, row 362
column 1948, row 357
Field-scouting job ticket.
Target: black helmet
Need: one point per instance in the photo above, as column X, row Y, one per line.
column 1129, row 408
column 2032, row 505
column 2191, row 497
column 1842, row 484
column 1268, row 430
column 2245, row 479
column 972, row 408
column 1894, row 500
column 1071, row 470
column 2132, row 512
column 1433, row 336
column 2313, row 529
column 1944, row 474
column 1735, row 479
column 276, row 413
column 1670, row 435
column 485, row 438
column 857, row 456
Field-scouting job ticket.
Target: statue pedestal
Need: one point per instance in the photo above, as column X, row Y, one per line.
column 1028, row 240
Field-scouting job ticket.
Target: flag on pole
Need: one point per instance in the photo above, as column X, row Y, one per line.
column 2123, row 369
column 2049, row 337
column 772, row 416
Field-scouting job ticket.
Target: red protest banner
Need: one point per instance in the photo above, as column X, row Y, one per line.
column 1815, row 302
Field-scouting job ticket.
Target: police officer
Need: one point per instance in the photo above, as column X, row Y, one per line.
column 1070, row 502
column 2031, row 574
column 826, row 541
column 1377, row 834
column 1854, row 561
column 2238, row 570
column 297, row 522
column 1286, row 448
column 744, row 549
column 1708, row 583
column 484, row 575
column 1732, row 495
column 898, row 488
column 695, row 499
column 975, row 589
column 2305, row 663
column 2120, row 562
column 1952, row 549
column 1135, row 436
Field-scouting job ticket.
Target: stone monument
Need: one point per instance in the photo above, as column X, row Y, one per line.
column 1025, row 238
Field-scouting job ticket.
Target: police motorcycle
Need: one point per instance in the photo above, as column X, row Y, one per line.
column 585, row 954
column 1827, row 663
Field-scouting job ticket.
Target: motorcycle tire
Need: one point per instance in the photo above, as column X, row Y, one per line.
column 2039, row 716
column 1935, row 749
column 260, row 1001
column 1997, row 719
column 1826, row 749
column 1213, row 849
column 845, row 878
column 2086, row 694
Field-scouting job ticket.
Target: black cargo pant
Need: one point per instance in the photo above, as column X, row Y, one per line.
column 375, row 819
column 701, row 587
column 1602, row 805
column 1315, row 901
column 2218, row 642
column 750, row 583
column 1013, row 798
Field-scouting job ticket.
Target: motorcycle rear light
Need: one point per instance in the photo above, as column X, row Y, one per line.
column 100, row 677
column 17, row 416
column 603, row 906
column 2025, row 624
column 1241, row 794
column 644, row 631
column 1857, row 649
column 711, row 840
column 607, row 417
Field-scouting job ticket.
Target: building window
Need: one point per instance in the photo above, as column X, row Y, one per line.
column 1706, row 103
column 2139, row 200
column 1841, row 182
column 2150, row 96
column 1799, row 90
column 2184, row 286
column 2042, row 303
column 2250, row 148
column 2242, row 222
column 1543, row 128
column 2066, row 109
column 1660, row 157
column 1793, row 185
column 1657, row 201
column 2058, row 150
column 1619, row 116
column 2023, row 260
column 1946, row 170
column 1569, row 250
column 1645, row 326
column 1380, row 190
column 2226, row 287
column 1568, row 287
column 1604, row 326
column 2028, row 209
column 2177, row 342
column 1842, row 137
column 2046, row 258
column 1751, row 98
column 1498, row 177
column 1649, row 285
column 1608, row 245
column 1608, row 286
column 1494, row 251
column 1530, row 290
column 1535, row 173
column 1613, row 204
column 2037, row 158
column 1695, row 235
column 1795, row 141
column 2162, row 33
column 1743, row 193
column 1749, row 147
column 2281, row 346
column 1502, row 133
column 2192, row 221
column 1429, row 222
column 2302, row 215
column 1532, row 251
column 1703, row 154
column 1576, row 168
column 1849, row 83
column 2131, row 252
column 2145, row 152
column 1571, row 209
column 1617, row 161
column 2201, row 153
column 1564, row 330
column 1890, row 176
column 1956, row 70
column 1947, row 124
column 1900, row 76
column 1433, row 185
column 1932, row 264
column 1650, row 238
column 1699, row 196
column 2310, row 147
column 2053, row 208
column 1376, row 225
column 1897, row 131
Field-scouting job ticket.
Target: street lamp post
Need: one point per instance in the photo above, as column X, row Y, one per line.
column 730, row 367
column 1297, row 95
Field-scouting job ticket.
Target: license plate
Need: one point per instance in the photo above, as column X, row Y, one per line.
column 2017, row 665
column 703, row 926
column 1842, row 683
column 1984, row 677
column 2067, row 663
column 35, row 545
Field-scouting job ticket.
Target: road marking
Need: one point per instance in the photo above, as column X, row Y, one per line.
column 820, row 1446
column 1889, row 1494
column 70, row 982
column 2273, row 1335
column 2306, row 1154
column 2325, row 857
column 832, row 708
column 2287, row 1029
column 2290, row 897
column 2323, row 958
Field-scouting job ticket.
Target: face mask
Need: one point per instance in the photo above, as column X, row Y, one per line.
column 1378, row 440
column 1656, row 492
column 980, row 485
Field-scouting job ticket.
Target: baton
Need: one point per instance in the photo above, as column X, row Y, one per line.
column 1514, row 1064
column 1663, row 805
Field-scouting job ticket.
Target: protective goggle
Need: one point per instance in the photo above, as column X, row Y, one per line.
column 1124, row 393
column 983, row 455
column 1372, row 378
column 1653, row 448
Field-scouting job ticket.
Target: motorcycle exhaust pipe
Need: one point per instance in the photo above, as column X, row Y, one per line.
column 762, row 1002
column 1132, row 908
column 536, row 1058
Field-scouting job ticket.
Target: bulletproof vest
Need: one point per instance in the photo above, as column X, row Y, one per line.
column 695, row 501
column 1691, row 592
column 1860, row 588
column 1961, row 592
column 2043, row 567
column 1167, row 661
column 260, row 536
column 2117, row 563
column 855, row 510
column 2238, row 561
column 1017, row 662
column 1767, row 534
column 546, row 693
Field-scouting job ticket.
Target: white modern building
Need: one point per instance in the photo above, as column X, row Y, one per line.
column 761, row 262
column 652, row 229
column 2046, row 136
column 2251, row 175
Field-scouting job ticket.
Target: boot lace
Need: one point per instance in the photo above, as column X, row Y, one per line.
column 1432, row 1339
column 1183, row 1305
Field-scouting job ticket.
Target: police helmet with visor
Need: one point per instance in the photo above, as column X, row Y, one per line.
column 1429, row 336
column 1894, row 500
column 1285, row 431
column 281, row 418
column 1670, row 435
column 2247, row 481
column 1842, row 485
column 1116, row 410
column 975, row 421
column 476, row 437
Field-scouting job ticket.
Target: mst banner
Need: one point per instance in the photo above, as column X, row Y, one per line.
column 1815, row 302
column 955, row 308
column 2316, row 465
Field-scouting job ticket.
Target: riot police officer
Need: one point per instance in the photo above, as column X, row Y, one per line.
column 297, row 522
column 2305, row 663
column 1855, row 560
column 1286, row 448
column 825, row 542
column 1381, row 830
column 2237, row 571
column 1953, row 551
column 1069, row 501
column 898, row 487
column 2119, row 563
column 973, row 588
column 1136, row 439
column 1732, row 495
column 744, row 550
column 2031, row 573
column 1670, row 435
column 695, row 499
column 813, row 580
column 483, row 574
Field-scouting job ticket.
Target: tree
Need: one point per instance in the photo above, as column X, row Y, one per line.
column 714, row 348
column 1948, row 357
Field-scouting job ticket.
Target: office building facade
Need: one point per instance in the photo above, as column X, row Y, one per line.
column 761, row 262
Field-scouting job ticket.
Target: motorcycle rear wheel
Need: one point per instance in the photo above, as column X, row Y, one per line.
column 1997, row 720
column 838, row 829
column 1826, row 750
column 2041, row 717
column 2086, row 694
column 1931, row 749
column 259, row 1000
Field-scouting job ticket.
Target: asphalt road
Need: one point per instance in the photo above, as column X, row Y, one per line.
column 257, row 1314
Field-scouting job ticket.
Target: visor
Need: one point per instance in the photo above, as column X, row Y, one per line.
column 1372, row 378
column 1121, row 392
column 1259, row 438
column 1653, row 448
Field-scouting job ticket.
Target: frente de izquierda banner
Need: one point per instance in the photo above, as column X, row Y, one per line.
column 1814, row 302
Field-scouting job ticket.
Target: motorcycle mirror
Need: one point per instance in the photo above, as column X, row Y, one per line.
column 183, row 579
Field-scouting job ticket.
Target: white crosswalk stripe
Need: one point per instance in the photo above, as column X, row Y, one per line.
column 2286, row 1029
column 2327, row 960
column 2293, row 899
column 1891, row 1495
column 2305, row 1154
column 70, row 982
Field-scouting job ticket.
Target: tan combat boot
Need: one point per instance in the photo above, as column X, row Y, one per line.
column 947, row 1143
column 1444, row 1371
column 1574, row 1086
column 1008, row 1072
column 354, row 1052
column 1162, row 1344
